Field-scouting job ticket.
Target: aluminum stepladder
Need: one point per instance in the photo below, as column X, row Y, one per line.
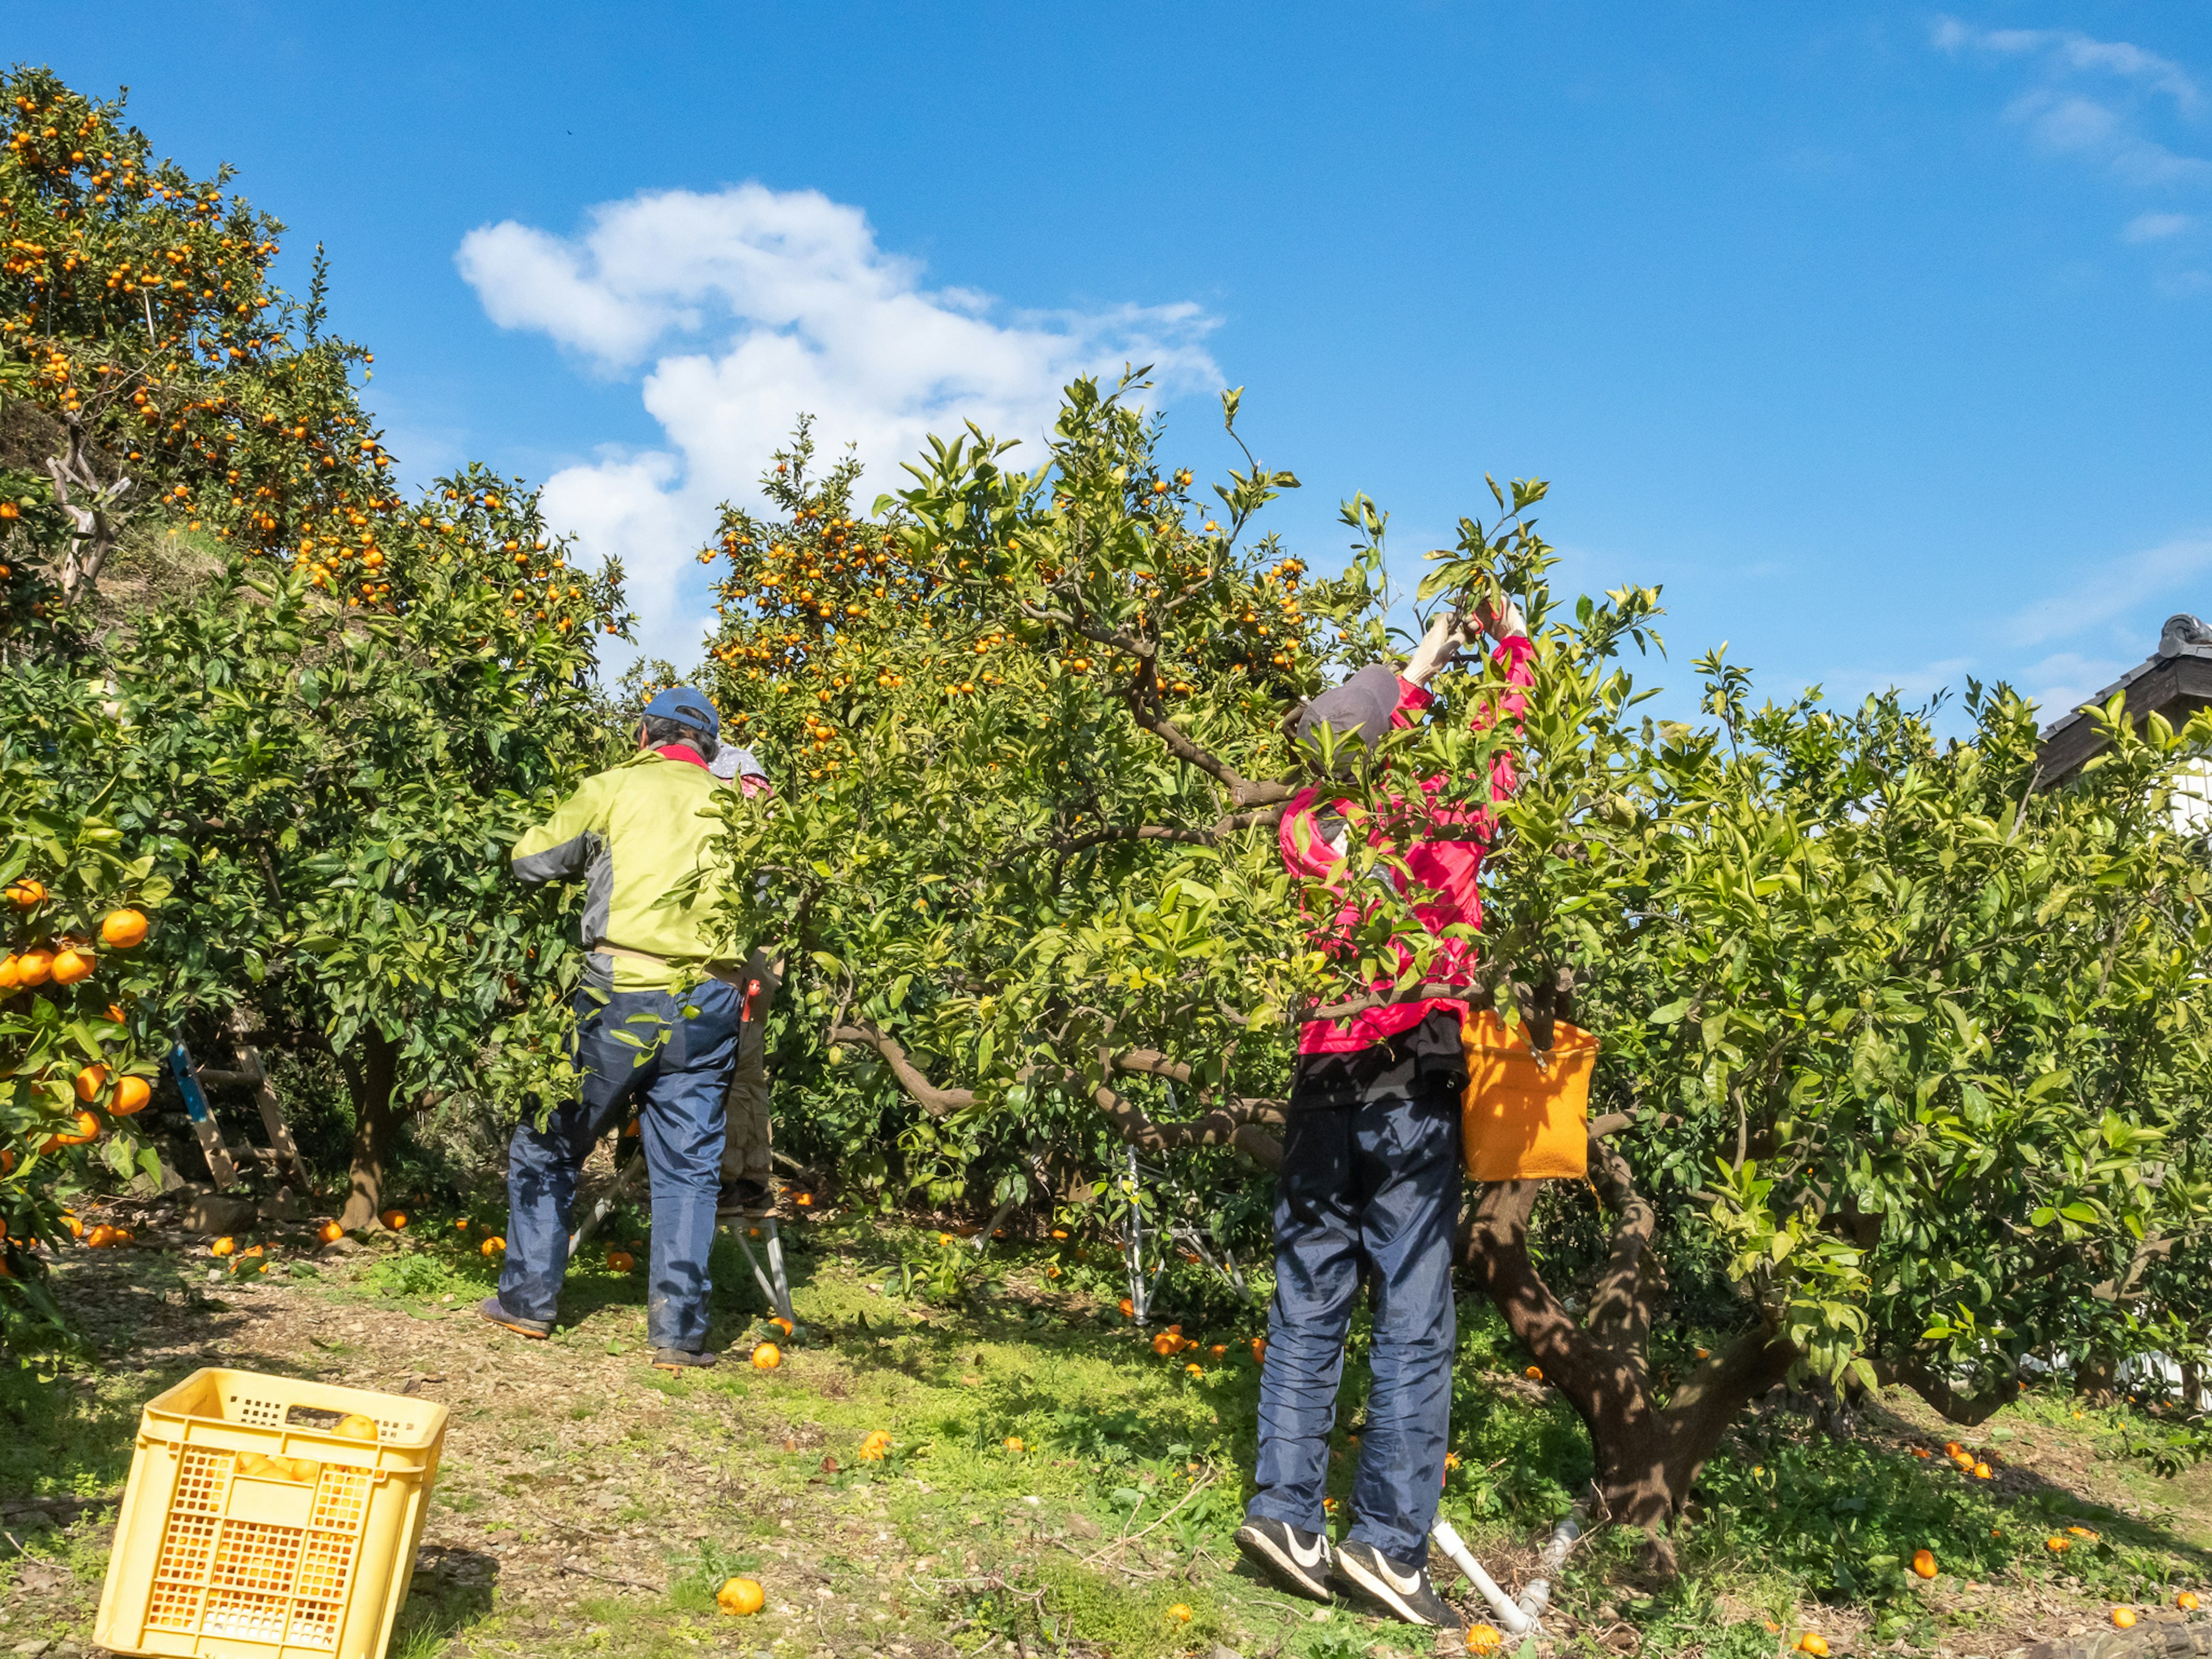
column 187, row 1079
column 773, row 1282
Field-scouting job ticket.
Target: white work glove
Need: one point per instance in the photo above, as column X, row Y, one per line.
column 1507, row 624
column 1450, row 631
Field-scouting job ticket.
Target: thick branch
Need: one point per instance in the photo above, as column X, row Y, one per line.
column 1202, row 835
column 1474, row 996
column 1965, row 1409
column 1620, row 1303
column 1243, row 792
column 1221, row 1127
column 938, row 1103
column 2149, row 1250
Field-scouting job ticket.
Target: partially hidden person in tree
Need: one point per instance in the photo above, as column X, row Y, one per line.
column 1370, row 1180
column 656, row 1034
column 747, row 1189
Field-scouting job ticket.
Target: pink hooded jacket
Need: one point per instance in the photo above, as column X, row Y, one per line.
column 1449, row 869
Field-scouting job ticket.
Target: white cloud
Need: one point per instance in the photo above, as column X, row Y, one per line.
column 2111, row 590
column 2071, row 50
column 2155, row 227
column 2107, row 125
column 754, row 305
column 2062, row 682
column 1847, row 687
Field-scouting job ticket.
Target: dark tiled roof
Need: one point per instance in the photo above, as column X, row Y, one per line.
column 2181, row 673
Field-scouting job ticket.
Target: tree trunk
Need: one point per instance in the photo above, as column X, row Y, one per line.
column 1647, row 1454
column 370, row 1072
column 2096, row 1379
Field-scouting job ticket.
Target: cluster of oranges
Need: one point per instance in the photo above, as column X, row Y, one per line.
column 164, row 341
column 1172, row 1344
column 1974, row 1465
column 67, row 961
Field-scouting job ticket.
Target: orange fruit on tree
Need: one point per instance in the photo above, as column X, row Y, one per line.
column 35, row 966
column 222, row 1247
column 11, row 972
column 741, row 1597
column 329, row 1232
column 493, row 1245
column 90, row 1081
column 767, row 1357
column 86, row 1131
column 1923, row 1562
column 123, row 928
column 1259, row 1350
column 132, row 1094
column 1217, row 1351
column 26, row 894
column 73, row 965
column 394, row 1220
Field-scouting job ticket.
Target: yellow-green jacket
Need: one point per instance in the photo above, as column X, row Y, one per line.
column 636, row 832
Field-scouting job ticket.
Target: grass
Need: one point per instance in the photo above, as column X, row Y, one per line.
column 1051, row 1480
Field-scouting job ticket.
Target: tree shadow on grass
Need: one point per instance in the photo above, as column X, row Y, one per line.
column 452, row 1591
column 2050, row 1500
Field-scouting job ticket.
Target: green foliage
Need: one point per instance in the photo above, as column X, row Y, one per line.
column 317, row 756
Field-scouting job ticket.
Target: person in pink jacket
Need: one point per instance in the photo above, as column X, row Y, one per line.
column 1371, row 1166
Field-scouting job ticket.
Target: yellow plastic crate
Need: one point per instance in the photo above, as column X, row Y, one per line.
column 218, row 1555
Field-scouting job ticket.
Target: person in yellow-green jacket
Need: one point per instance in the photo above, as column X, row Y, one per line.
column 657, row 1024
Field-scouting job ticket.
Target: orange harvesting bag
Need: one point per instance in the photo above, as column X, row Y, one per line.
column 1523, row 1119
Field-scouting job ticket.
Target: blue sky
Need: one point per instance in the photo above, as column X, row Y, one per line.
column 1881, row 336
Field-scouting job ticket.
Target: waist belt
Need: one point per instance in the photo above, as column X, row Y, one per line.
column 727, row 974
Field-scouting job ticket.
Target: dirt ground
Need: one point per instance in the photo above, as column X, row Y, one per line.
column 1052, row 1487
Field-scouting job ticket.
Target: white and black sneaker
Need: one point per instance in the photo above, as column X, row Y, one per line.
column 1366, row 1576
column 1298, row 1561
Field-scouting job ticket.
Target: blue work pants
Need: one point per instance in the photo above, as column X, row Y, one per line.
column 666, row 1057
column 1369, row 1187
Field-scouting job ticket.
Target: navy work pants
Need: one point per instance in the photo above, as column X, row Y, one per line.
column 1371, row 1185
column 666, row 1057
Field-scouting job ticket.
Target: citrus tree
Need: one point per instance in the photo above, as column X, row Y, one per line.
column 332, row 708
column 74, row 1059
column 1895, row 1046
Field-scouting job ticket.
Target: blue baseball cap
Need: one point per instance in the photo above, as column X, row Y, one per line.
column 689, row 705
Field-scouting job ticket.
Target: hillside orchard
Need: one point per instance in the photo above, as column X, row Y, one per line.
column 1901, row 1053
